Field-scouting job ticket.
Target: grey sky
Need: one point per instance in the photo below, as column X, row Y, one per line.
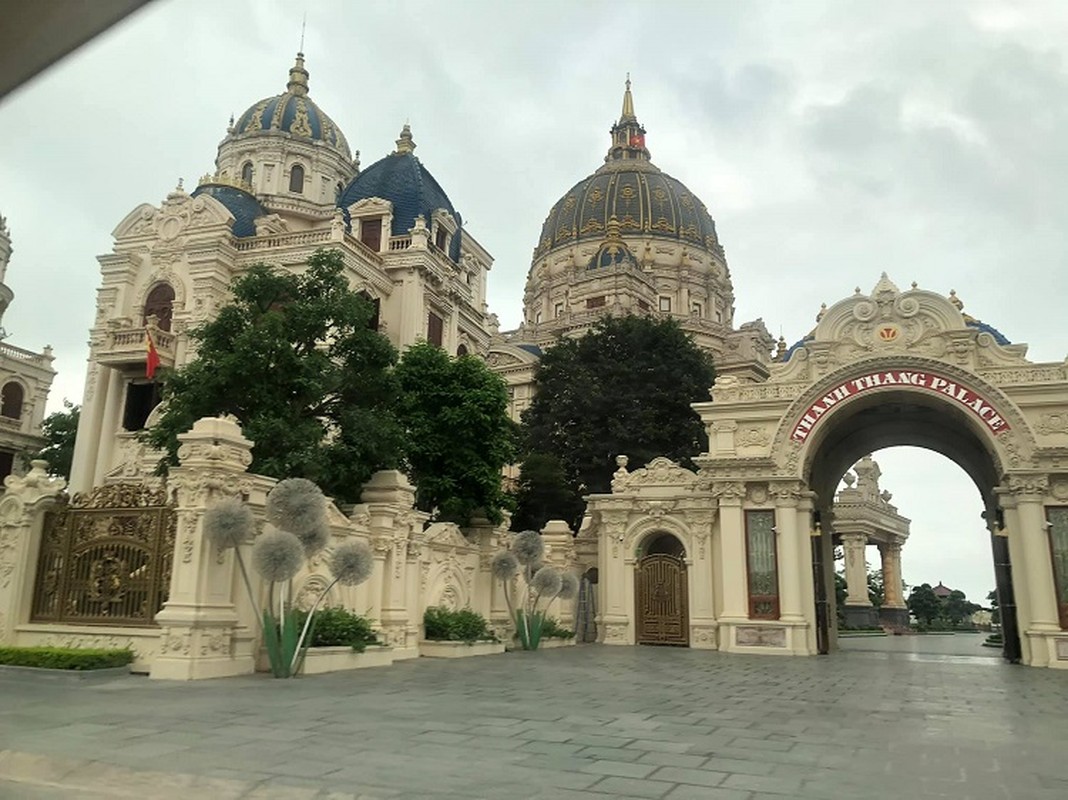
column 830, row 141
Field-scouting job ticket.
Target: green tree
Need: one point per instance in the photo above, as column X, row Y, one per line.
column 544, row 493
column 876, row 589
column 60, row 429
column 459, row 435
column 924, row 604
column 292, row 357
column 623, row 388
column 995, row 607
column 958, row 608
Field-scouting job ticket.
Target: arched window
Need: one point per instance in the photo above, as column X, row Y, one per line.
column 296, row 179
column 246, row 173
column 372, row 323
column 160, row 303
column 11, row 397
column 461, row 350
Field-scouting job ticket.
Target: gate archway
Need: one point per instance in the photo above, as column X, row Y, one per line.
column 661, row 592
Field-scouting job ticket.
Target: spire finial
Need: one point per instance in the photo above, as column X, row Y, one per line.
column 303, row 25
column 628, row 103
column 298, row 76
column 405, row 143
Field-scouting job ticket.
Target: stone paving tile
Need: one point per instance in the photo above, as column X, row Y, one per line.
column 533, row 725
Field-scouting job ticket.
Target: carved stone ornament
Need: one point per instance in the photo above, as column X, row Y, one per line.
column 753, row 636
column 1028, row 484
column 659, row 472
column 752, row 437
column 1052, row 423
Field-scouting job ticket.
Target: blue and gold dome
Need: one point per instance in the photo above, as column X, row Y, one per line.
column 402, row 179
column 646, row 202
column 293, row 112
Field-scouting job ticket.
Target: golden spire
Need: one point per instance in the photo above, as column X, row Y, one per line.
column 298, row 77
column 628, row 103
column 405, row 144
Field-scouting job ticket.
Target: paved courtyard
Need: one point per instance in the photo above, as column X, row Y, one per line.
column 588, row 722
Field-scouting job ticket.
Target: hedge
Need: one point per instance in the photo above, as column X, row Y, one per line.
column 71, row 658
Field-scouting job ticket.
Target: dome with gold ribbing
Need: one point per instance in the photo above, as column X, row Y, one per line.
column 294, row 113
column 646, row 201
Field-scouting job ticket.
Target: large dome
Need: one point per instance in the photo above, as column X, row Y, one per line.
column 645, row 201
column 293, row 112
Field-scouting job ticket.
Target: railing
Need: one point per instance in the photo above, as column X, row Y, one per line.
column 17, row 353
column 127, row 345
column 11, row 424
column 284, row 240
column 400, row 243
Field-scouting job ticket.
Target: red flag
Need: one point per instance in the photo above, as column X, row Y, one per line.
column 637, row 140
column 152, row 355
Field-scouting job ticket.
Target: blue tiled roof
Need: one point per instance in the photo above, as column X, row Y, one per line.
column 999, row 337
column 280, row 112
column 402, row 179
column 533, row 349
column 241, row 204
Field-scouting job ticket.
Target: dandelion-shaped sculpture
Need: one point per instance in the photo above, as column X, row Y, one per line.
column 541, row 585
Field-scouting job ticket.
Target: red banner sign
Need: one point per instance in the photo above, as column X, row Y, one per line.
column 926, row 381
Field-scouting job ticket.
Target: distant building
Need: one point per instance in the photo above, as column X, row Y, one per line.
column 942, row 590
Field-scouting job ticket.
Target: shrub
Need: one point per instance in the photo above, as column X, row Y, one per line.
column 71, row 658
column 551, row 629
column 339, row 627
column 444, row 625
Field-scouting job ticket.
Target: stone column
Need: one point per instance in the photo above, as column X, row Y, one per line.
column 22, row 511
column 1034, row 538
column 560, row 553
column 789, row 554
column 389, row 499
column 199, row 621
column 859, row 612
column 616, row 617
column 894, row 611
column 703, row 625
column 732, row 547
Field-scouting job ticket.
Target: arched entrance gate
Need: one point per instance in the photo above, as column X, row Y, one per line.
column 890, row 368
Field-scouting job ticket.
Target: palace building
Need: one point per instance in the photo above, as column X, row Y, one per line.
column 735, row 556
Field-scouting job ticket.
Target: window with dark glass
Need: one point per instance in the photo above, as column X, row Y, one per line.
column 246, row 173
column 296, row 179
column 371, row 233
column 11, row 397
column 442, row 238
column 595, row 302
column 141, row 398
column 643, row 306
column 7, row 464
column 461, row 350
column 1057, row 519
column 435, row 328
column 762, row 564
column 377, row 304
column 160, row 304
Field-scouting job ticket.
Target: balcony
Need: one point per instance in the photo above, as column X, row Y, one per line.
column 125, row 346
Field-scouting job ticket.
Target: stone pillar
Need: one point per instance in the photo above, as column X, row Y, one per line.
column 703, row 625
column 22, row 511
column 390, row 499
column 199, row 621
column 560, row 553
column 859, row 612
column 1033, row 536
column 732, row 547
column 789, row 554
column 894, row 611
column 615, row 620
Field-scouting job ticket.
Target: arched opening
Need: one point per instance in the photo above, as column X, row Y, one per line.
column 160, row 304
column 917, row 419
column 246, row 173
column 661, row 592
column 461, row 351
column 11, row 397
column 376, row 306
column 296, row 179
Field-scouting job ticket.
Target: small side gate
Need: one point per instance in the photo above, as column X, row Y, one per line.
column 660, row 592
column 106, row 557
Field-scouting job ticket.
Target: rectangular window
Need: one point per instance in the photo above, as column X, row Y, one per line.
column 435, row 329
column 595, row 302
column 7, row 463
column 371, row 233
column 665, row 303
column 559, row 310
column 1057, row 517
column 697, row 309
column 762, row 563
column 719, row 316
column 442, row 238
column 643, row 306
column 141, row 398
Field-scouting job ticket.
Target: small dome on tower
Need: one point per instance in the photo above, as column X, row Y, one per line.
column 402, row 179
column 292, row 112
